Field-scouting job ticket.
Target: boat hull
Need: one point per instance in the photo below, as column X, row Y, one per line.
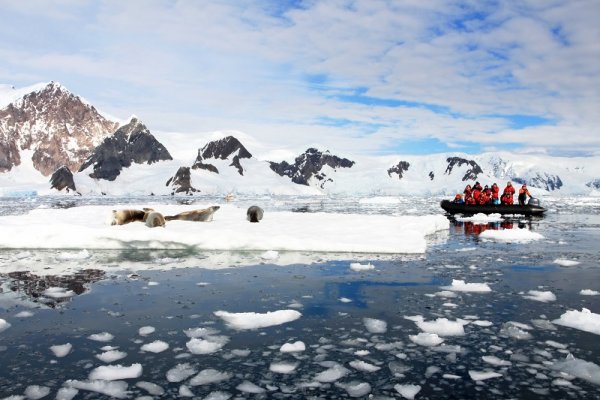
column 455, row 208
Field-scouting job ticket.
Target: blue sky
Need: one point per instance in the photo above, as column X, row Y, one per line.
column 372, row 77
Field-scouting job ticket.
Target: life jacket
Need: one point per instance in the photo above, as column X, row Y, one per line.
column 495, row 192
column 476, row 194
column 484, row 198
column 510, row 190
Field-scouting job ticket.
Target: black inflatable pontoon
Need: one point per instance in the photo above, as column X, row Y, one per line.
column 455, row 208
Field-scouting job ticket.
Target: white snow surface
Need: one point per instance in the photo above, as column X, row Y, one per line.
column 252, row 320
column 278, row 231
column 295, row 347
column 461, row 286
column 566, row 263
column 584, row 320
column 116, row 372
column 511, row 235
column 542, row 296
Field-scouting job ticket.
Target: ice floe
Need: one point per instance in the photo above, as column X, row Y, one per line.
column 61, row 350
column 511, row 235
column 584, row 320
column 579, row 368
column 158, row 346
column 151, row 388
column 146, row 330
column 110, row 356
column 101, row 337
column 208, row 345
column 589, row 292
column 116, row 372
column 4, row 325
column 180, row 372
column 426, row 339
column 461, row 286
column 249, row 387
column 566, row 263
column 283, row 367
column 58, row 293
column 496, row 361
column 208, row 376
column 363, row 366
column 35, row 392
column 252, row 320
column 355, row 388
column 361, row 267
column 441, row 326
column 117, row 389
column 295, row 347
column 375, row 325
column 483, row 375
column 481, row 218
column 408, row 391
column 333, row 373
column 543, row 296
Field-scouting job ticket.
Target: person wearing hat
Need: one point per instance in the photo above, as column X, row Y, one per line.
column 523, row 193
column 507, row 194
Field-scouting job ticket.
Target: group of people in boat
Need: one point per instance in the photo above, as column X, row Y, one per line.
column 491, row 195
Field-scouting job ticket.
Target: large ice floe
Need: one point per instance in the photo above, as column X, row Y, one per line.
column 252, row 320
column 510, row 235
column 88, row 227
column 584, row 320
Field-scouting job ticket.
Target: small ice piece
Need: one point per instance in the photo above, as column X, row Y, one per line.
column 584, row 320
column 432, row 370
column 209, row 375
column 361, row 267
column 61, row 350
column 482, row 323
column 116, row 372
column 146, row 330
column 111, row 356
column 589, row 292
column 180, row 372
column 408, row 391
column 241, row 352
column 362, row 353
column 101, row 337
column 157, row 346
column 511, row 235
column 375, row 325
column 24, row 314
column 67, row 256
column 355, row 388
column 332, row 374
column 426, row 339
column 364, row 366
column 185, row 391
column 200, row 332
column 283, row 367
column 58, row 293
column 35, row 392
column 295, row 347
column 218, row 395
column 270, row 255
column 496, row 361
column 117, row 389
column 252, row 320
column 209, row 345
column 153, row 283
column 151, row 388
column 515, row 330
column 579, row 368
column 345, row 300
column 445, row 294
column 543, row 296
column 451, row 376
column 66, row 393
column 483, row 375
column 556, row 345
column 481, row 218
column 566, row 263
column 443, row 327
column 459, row 285
column 249, row 387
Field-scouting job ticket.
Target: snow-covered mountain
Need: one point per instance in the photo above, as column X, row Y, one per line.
column 57, row 126
column 47, row 129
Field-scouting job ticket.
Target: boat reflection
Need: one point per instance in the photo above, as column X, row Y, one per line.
column 470, row 228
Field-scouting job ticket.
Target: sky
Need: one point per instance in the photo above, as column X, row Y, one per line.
column 372, row 77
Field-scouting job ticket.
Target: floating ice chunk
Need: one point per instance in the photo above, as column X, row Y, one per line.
column 111, row 356
column 218, row 395
column 566, row 263
column 241, row 352
column 443, row 327
column 4, row 325
column 408, row 391
column 58, row 293
column 511, row 235
column 481, row 218
column 66, row 393
column 209, row 375
column 543, row 324
column 579, row 368
column 67, row 256
column 116, row 389
column 153, row 283
column 270, row 255
column 249, row 387
column 361, row 267
column 151, row 388
column 426, row 339
column 584, row 320
column 345, row 300
column 180, row 372
column 24, row 314
column 362, row 353
column 210, row 344
column 332, row 374
column 483, row 375
column 432, row 370
column 364, row 366
column 445, row 294
column 589, row 292
column 460, row 286
column 116, row 372
column 451, row 376
column 146, row 330
column 61, row 350
column 295, row 347
column 283, row 367
column 482, row 323
column 556, row 345
column 496, row 361
column 515, row 330
column 355, row 388
column 157, row 346
column 252, row 320
column 375, row 325
column 101, row 337
column 200, row 332
column 543, row 296
column 185, row 391
column 35, row 392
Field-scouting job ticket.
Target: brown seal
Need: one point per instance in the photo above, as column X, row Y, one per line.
column 254, row 213
column 202, row 215
column 154, row 219
column 122, row 217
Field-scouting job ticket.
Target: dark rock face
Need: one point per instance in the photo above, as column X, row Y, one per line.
column 545, row 181
column 62, row 178
column 228, row 148
column 132, row 143
column 594, row 184
column 308, row 165
column 471, row 173
column 181, row 182
column 399, row 169
column 431, row 175
column 58, row 126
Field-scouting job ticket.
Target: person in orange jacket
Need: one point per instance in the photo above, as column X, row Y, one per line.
column 523, row 193
column 508, row 193
column 495, row 194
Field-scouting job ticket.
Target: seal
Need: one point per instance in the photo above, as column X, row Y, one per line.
column 155, row 219
column 254, row 213
column 202, row 215
column 122, row 217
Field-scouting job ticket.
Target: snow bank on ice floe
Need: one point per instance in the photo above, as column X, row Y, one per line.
column 89, row 228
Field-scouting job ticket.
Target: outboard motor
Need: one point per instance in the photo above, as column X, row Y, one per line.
column 533, row 202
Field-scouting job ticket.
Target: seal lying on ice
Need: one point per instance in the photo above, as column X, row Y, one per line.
column 254, row 213
column 122, row 217
column 155, row 219
column 202, row 215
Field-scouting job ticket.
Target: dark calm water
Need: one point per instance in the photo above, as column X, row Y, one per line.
column 333, row 300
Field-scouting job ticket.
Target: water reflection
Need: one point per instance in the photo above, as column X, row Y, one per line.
column 469, row 228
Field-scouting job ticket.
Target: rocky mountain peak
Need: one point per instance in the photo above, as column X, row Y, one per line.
column 228, row 148
column 60, row 128
column 473, row 169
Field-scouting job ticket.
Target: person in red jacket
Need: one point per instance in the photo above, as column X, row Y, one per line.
column 508, row 193
column 523, row 193
column 495, row 194
column 476, row 193
column 484, row 197
column 468, row 192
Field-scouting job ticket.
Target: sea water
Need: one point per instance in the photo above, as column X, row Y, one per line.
column 380, row 326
